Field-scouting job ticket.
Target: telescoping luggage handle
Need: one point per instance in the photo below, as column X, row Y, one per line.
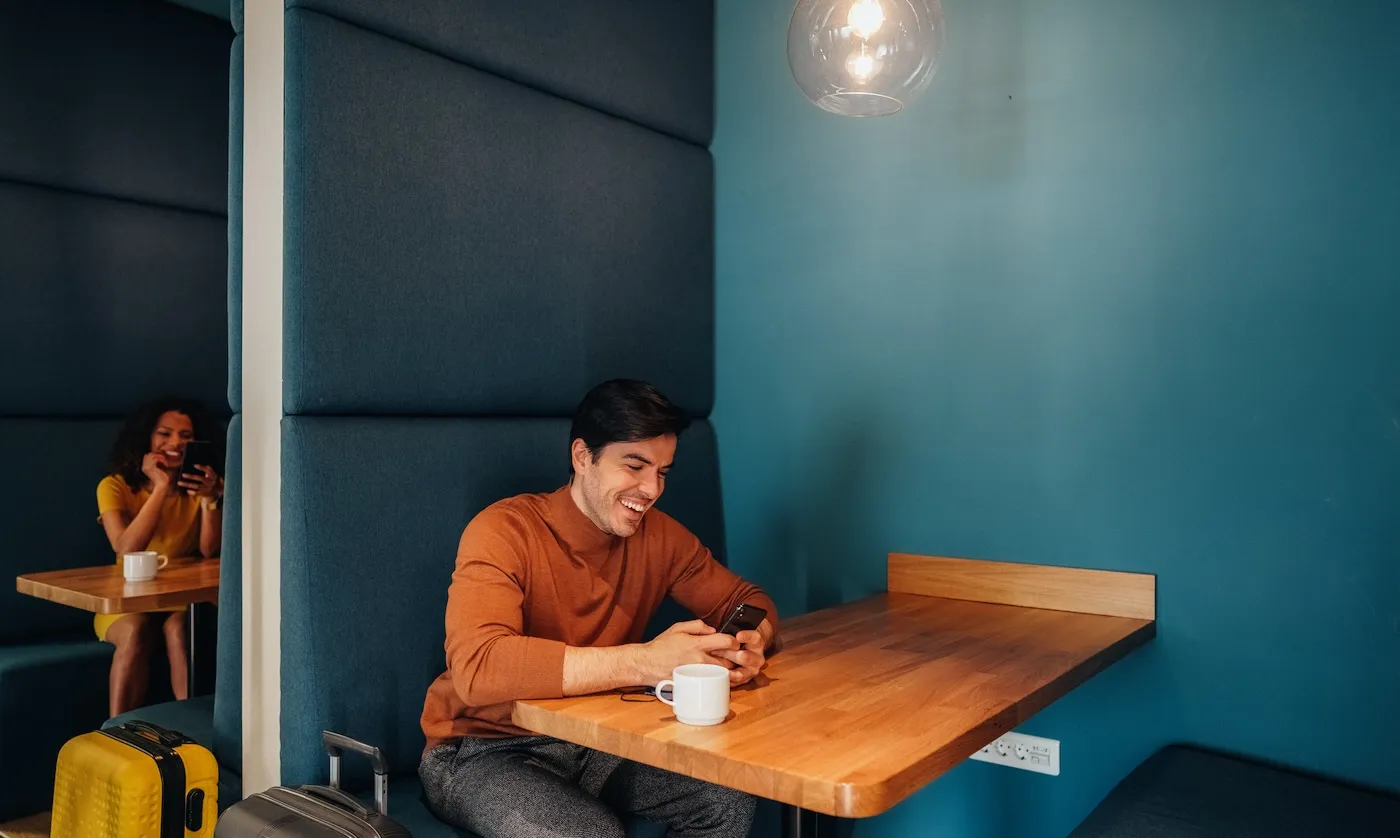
column 335, row 743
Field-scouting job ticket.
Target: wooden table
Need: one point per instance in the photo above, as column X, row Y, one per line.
column 870, row 701
column 103, row 590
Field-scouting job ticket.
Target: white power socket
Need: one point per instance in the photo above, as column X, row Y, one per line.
column 1029, row 753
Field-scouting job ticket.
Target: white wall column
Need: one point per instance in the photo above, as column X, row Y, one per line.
column 262, row 392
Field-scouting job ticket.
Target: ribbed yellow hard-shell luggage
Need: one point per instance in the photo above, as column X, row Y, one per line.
column 136, row 780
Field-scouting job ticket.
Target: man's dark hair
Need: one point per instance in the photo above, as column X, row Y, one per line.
column 623, row 410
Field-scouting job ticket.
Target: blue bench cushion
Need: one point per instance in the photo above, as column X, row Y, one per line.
column 49, row 693
column 1185, row 792
column 195, row 719
column 459, row 244
column 372, row 510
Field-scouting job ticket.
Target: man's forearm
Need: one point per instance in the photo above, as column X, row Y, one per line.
column 589, row 670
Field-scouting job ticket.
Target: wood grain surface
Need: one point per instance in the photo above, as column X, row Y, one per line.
column 1109, row 592
column 867, row 703
column 102, row 590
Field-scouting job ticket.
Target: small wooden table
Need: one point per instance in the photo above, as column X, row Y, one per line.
column 870, row 701
column 103, row 590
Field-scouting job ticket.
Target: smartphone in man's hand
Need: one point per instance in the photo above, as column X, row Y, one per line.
column 744, row 617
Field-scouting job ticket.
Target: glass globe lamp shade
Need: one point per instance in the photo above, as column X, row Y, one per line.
column 864, row 57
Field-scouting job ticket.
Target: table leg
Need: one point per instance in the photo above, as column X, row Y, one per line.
column 799, row 823
column 192, row 650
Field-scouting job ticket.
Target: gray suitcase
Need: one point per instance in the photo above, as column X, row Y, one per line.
column 316, row 811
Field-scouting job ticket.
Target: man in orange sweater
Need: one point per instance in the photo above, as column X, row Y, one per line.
column 550, row 596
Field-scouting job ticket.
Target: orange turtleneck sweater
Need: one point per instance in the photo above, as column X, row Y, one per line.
column 535, row 575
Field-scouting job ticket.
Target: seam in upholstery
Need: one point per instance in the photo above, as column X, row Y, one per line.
column 494, row 74
column 107, row 196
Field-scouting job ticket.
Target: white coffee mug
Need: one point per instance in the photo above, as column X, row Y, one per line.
column 142, row 566
column 700, row 693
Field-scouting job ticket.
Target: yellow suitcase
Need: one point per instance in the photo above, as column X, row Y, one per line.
column 135, row 780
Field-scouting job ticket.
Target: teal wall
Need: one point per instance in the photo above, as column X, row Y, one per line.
column 1122, row 291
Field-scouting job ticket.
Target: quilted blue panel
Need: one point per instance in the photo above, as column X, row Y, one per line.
column 228, row 679
column 115, row 98
column 91, row 284
column 52, row 524
column 648, row 61
column 460, row 244
column 371, row 513
column 235, row 225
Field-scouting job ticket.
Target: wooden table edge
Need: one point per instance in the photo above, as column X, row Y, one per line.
column 83, row 601
column 95, row 604
column 855, row 799
column 865, row 800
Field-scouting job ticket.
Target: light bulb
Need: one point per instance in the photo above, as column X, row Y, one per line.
column 866, row 17
column 861, row 66
column 864, row 57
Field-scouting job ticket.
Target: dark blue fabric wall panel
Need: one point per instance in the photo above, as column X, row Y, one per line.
column 116, row 97
column 458, row 243
column 60, row 463
column 228, row 678
column 371, row 513
column 235, row 225
column 105, row 303
column 650, row 61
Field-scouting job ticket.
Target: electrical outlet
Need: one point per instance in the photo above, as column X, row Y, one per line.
column 1029, row 753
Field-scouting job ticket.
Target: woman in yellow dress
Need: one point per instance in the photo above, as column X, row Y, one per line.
column 146, row 504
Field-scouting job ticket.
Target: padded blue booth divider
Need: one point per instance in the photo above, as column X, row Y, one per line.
column 528, row 245
column 490, row 208
column 124, row 98
column 646, row 61
column 102, row 296
column 112, row 252
column 52, row 524
column 235, row 225
column 228, row 680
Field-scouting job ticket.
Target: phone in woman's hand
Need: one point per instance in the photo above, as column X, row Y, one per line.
column 198, row 452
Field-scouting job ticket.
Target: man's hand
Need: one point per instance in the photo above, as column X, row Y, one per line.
column 749, row 659
column 688, row 642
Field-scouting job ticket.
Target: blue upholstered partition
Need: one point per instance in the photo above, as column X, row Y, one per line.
column 112, row 249
column 647, row 61
column 115, row 97
column 112, row 203
column 489, row 209
column 112, row 252
column 228, row 679
column 107, row 302
column 525, row 243
column 235, row 225
column 61, row 462
column 228, row 690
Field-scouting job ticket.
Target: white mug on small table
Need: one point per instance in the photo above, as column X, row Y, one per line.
column 142, row 565
column 699, row 693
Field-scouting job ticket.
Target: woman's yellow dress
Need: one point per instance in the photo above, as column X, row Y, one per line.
column 176, row 536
